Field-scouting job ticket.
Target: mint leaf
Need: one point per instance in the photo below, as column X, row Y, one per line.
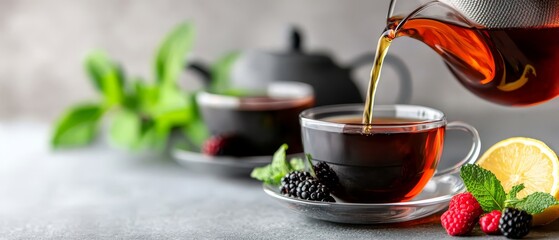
column 536, row 202
column 279, row 166
column 220, row 72
column 262, row 174
column 148, row 136
column 485, row 187
column 273, row 172
column 309, row 161
column 77, row 127
column 196, row 132
column 514, row 191
column 172, row 99
column 296, row 164
column 147, row 95
column 172, row 109
column 125, row 129
column 171, row 56
column 107, row 76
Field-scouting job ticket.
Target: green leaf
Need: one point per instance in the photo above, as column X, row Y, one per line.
column 262, row 174
column 297, row 164
column 147, row 96
column 125, row 130
column 156, row 101
column 238, row 92
column 148, row 136
column 536, row 202
column 308, row 156
column 273, row 172
column 168, row 108
column 514, row 191
column 278, row 168
column 174, row 108
column 196, row 132
column 221, row 72
column 165, row 122
column 485, row 187
column 107, row 76
column 77, row 127
column 171, row 56
column 171, row 100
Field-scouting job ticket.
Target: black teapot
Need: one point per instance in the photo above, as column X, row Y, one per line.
column 332, row 83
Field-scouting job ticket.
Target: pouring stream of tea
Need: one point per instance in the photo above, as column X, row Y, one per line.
column 382, row 49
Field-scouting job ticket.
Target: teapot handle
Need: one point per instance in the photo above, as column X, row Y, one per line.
column 405, row 89
column 202, row 70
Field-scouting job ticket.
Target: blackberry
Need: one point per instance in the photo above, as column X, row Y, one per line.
column 312, row 189
column 303, row 185
column 515, row 223
column 326, row 175
column 290, row 181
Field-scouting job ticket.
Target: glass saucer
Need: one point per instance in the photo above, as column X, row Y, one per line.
column 220, row 165
column 434, row 198
column 189, row 156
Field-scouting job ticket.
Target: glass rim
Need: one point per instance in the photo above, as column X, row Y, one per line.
column 310, row 118
column 283, row 93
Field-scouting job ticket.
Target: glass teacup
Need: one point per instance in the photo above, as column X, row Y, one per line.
column 389, row 161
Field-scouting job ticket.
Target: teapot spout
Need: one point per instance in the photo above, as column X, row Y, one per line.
column 445, row 30
column 497, row 60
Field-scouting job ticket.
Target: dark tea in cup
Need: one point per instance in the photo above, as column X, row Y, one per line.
column 389, row 161
column 263, row 119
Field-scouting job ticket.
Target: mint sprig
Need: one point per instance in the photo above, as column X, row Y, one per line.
column 514, row 191
column 143, row 114
column 485, row 187
column 489, row 192
column 273, row 172
column 535, row 203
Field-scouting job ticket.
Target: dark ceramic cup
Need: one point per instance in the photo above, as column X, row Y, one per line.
column 263, row 119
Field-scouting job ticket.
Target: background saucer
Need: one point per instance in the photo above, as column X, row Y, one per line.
column 220, row 165
column 434, row 198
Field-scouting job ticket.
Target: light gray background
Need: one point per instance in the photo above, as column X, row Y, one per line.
column 103, row 193
column 42, row 44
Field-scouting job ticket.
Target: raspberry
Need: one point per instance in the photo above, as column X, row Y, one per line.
column 214, row 145
column 221, row 145
column 457, row 222
column 489, row 223
column 466, row 201
column 462, row 214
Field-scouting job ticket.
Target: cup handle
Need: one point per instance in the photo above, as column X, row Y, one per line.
column 471, row 158
column 405, row 89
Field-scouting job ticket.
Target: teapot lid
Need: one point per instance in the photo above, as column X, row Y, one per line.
column 295, row 50
column 508, row 14
column 295, row 39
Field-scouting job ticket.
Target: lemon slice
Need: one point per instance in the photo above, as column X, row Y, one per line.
column 525, row 160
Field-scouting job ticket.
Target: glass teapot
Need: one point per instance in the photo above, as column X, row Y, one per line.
column 504, row 51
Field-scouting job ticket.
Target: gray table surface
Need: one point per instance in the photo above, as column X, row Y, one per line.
column 103, row 193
